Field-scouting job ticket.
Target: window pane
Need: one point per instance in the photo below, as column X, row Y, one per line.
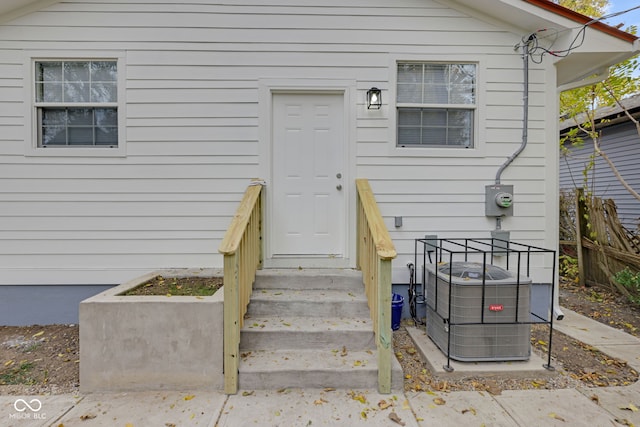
column 54, row 135
column 435, row 127
column 434, row 136
column 79, row 126
column 80, row 116
column 104, row 92
column 49, row 71
column 409, row 136
column 54, row 117
column 408, row 117
column 432, row 117
column 106, row 117
column 432, row 86
column 435, row 74
column 107, row 136
column 436, row 94
column 76, row 92
column 71, row 83
column 104, row 71
column 76, row 71
column 80, row 135
column 409, row 83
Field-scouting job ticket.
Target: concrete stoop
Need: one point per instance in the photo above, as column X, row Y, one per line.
column 309, row 328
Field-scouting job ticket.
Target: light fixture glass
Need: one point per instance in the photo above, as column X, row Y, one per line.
column 374, row 99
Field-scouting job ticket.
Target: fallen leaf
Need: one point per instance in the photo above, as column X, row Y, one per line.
column 344, row 351
column 595, row 398
column 630, row 407
column 357, row 363
column 189, row 397
column 277, row 413
column 320, row 401
column 247, row 393
column 363, row 414
column 37, row 334
column 439, row 401
column 395, row 418
column 412, row 351
column 472, row 410
column 383, row 404
column 169, row 425
column 87, row 417
column 327, row 389
column 9, row 363
column 405, row 404
column 128, row 425
column 359, row 397
column 556, row 416
column 624, row 422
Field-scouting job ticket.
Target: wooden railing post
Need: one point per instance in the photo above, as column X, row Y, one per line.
column 375, row 252
column 242, row 252
column 231, row 323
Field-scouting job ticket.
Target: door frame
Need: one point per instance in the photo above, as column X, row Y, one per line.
column 346, row 88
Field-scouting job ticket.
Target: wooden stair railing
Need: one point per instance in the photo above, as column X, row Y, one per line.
column 375, row 251
column 242, row 250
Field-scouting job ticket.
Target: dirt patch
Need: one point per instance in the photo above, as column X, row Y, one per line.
column 178, row 286
column 45, row 359
column 39, row 359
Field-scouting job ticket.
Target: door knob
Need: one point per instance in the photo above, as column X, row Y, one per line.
column 339, row 187
column 338, row 175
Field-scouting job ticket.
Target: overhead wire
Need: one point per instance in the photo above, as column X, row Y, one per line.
column 536, row 51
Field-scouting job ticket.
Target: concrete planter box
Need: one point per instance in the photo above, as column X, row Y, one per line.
column 152, row 342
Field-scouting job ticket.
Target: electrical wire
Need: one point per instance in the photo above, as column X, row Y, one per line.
column 536, row 52
column 413, row 296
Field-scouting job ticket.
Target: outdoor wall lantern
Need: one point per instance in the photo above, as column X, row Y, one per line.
column 374, row 99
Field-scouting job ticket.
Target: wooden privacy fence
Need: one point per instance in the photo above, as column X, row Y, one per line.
column 603, row 246
column 241, row 248
column 375, row 251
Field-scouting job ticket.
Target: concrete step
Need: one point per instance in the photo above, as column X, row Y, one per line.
column 308, row 303
column 336, row 368
column 276, row 333
column 307, row 279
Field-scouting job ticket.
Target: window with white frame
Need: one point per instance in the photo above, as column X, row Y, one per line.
column 76, row 103
column 436, row 104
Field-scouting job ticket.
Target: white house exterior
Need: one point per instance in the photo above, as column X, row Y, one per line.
column 129, row 131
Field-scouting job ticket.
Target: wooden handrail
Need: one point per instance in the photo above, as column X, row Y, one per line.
column 383, row 243
column 375, row 251
column 242, row 250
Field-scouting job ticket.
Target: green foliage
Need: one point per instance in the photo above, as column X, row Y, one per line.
column 20, row 374
column 568, row 267
column 631, row 281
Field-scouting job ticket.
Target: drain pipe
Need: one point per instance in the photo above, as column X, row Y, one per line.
column 525, row 120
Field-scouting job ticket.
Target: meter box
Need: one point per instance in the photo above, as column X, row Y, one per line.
column 498, row 200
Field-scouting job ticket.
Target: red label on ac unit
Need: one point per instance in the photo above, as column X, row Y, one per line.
column 496, row 307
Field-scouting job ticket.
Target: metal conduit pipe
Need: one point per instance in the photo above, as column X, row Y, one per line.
column 525, row 115
column 525, row 122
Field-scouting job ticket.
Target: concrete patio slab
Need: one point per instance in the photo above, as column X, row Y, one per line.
column 592, row 332
column 314, row 407
column 618, row 401
column 436, row 360
column 553, row 408
column 146, row 409
column 34, row 411
column 464, row 408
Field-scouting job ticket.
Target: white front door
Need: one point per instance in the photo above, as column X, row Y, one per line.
column 308, row 196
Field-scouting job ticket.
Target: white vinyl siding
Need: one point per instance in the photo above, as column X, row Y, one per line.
column 190, row 75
